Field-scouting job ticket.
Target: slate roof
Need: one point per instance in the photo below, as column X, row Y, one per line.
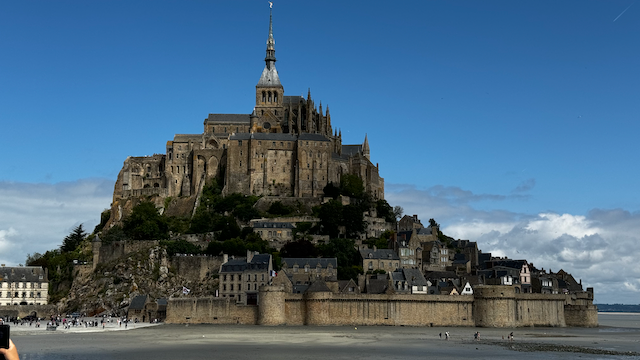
column 279, row 137
column 187, row 137
column 234, row 265
column 23, row 274
column 138, row 302
column 382, row 254
column 377, row 286
column 424, row 231
column 292, row 99
column 258, row 262
column 351, row 149
column 312, row 262
column 313, row 137
column 318, row 286
column 230, row 118
column 272, row 225
column 414, row 277
column 269, row 77
column 441, row 275
column 264, row 136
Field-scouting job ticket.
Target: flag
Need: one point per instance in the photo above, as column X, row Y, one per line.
column 273, row 273
column 185, row 290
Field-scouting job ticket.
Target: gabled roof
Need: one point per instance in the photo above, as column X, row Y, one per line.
column 414, row 277
column 312, row 262
column 292, row 99
column 23, row 274
column 271, row 225
column 243, row 119
column 313, row 137
column 138, row 302
column 318, row 286
column 351, row 149
column 435, row 275
column 380, row 254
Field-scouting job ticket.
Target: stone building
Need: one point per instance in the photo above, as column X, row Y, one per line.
column 276, row 233
column 379, row 259
column 240, row 279
column 24, row 285
column 286, row 146
column 408, row 223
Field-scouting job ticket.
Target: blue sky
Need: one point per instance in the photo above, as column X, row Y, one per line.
column 512, row 123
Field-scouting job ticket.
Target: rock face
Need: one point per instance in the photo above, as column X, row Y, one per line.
column 146, row 271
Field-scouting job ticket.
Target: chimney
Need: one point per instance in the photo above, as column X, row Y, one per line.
column 374, row 248
column 225, row 258
column 249, row 256
column 415, row 218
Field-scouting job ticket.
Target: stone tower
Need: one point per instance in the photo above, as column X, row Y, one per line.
column 268, row 113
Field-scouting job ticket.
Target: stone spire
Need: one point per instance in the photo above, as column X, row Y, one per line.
column 270, row 74
column 365, row 148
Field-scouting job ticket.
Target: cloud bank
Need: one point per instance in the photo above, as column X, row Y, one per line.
column 599, row 247
column 36, row 217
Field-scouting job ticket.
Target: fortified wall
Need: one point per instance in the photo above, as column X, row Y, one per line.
column 490, row 306
column 14, row 311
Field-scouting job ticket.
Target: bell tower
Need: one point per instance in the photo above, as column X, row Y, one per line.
column 269, row 110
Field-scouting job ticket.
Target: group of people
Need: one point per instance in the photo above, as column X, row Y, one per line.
column 476, row 336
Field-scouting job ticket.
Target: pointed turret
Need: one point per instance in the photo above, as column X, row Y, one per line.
column 270, row 74
column 329, row 129
column 365, row 148
column 269, row 92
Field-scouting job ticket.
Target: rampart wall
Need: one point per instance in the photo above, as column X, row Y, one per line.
column 196, row 267
column 116, row 249
column 21, row 311
column 491, row 306
column 210, row 310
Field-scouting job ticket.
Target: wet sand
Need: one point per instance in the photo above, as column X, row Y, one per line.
column 618, row 335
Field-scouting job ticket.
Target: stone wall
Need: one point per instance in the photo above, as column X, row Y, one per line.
column 42, row 311
column 110, row 252
column 210, row 310
column 490, row 306
column 581, row 315
column 196, row 267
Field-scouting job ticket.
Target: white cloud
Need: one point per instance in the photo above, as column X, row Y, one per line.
column 600, row 247
column 36, row 217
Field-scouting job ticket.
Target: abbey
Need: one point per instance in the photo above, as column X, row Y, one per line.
column 285, row 147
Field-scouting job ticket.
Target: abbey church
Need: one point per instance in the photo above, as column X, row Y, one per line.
column 285, row 147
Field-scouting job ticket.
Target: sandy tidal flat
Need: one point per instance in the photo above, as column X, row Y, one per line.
column 617, row 338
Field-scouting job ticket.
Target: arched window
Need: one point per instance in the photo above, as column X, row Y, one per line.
column 275, row 98
column 264, row 96
column 269, row 96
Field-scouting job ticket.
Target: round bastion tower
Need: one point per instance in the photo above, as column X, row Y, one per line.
column 271, row 305
column 494, row 306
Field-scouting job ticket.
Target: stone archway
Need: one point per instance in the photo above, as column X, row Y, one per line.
column 212, row 167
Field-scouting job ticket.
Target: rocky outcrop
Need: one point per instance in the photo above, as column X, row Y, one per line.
column 146, row 271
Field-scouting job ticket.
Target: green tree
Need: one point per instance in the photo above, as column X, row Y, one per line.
column 180, row 247
column 385, row 211
column 71, row 241
column 348, row 257
column 145, row 223
column 299, row 249
column 331, row 190
column 278, row 208
column 330, row 215
column 353, row 220
column 351, row 185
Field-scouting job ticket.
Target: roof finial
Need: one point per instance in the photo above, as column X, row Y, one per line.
column 271, row 42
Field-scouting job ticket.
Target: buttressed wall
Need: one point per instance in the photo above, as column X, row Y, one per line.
column 491, row 306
